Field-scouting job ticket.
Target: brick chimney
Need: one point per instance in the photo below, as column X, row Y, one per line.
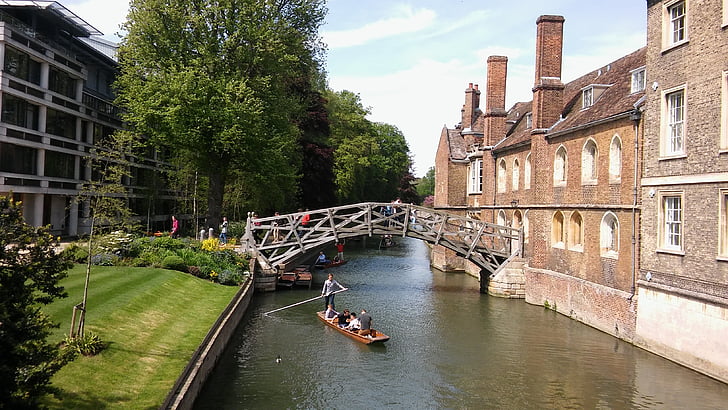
column 472, row 102
column 495, row 102
column 548, row 90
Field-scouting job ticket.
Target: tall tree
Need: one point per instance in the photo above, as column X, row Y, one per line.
column 30, row 270
column 426, row 185
column 213, row 78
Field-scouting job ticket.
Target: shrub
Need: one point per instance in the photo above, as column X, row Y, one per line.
column 88, row 345
column 75, row 253
column 174, row 262
column 211, row 245
column 166, row 242
column 229, row 277
column 104, row 259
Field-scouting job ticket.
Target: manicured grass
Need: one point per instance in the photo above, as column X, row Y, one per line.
column 153, row 320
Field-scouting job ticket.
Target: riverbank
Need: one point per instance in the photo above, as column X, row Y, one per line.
column 153, row 319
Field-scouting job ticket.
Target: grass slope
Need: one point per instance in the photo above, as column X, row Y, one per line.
column 153, row 320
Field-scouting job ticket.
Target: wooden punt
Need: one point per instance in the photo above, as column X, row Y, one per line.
column 379, row 338
column 287, row 279
column 331, row 264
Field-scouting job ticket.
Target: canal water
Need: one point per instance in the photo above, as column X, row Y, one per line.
column 451, row 347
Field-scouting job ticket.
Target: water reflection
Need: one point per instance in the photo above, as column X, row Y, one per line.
column 450, row 347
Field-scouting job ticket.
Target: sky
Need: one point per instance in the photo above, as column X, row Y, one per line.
column 410, row 61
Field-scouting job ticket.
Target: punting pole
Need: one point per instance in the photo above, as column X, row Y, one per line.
column 303, row 301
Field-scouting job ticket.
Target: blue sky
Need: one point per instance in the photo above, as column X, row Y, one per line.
column 410, row 61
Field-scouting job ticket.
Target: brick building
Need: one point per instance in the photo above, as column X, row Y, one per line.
column 683, row 291
column 565, row 168
column 57, row 104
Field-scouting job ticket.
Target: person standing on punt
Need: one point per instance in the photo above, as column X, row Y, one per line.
column 340, row 250
column 330, row 286
column 366, row 323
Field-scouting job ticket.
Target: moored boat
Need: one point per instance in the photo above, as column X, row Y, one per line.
column 378, row 337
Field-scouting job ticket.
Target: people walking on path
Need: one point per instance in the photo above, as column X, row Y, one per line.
column 175, row 227
column 223, row 230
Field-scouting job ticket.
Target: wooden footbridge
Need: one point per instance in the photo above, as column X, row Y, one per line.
column 280, row 239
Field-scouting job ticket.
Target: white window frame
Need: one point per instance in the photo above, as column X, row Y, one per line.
column 609, row 235
column 723, row 224
column 502, row 168
column 560, row 166
column 725, row 13
column 475, row 183
column 615, row 159
column 576, row 232
column 587, row 97
column 589, row 161
column 527, row 172
column 529, row 120
column 515, row 178
column 674, row 27
column 639, row 80
column 724, row 111
column 671, row 232
column 673, row 127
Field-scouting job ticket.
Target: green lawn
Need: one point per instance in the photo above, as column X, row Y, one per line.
column 153, row 320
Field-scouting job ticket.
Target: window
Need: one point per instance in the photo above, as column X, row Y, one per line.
column 638, row 80
column 527, row 173
column 587, row 97
column 21, row 65
column 724, row 111
column 525, row 227
column 671, row 221
column 677, row 30
column 502, row 218
column 576, row 232
column 557, row 230
column 17, row 159
column 529, row 120
column 723, row 229
column 615, row 159
column 58, row 164
column 19, row 112
column 516, row 175
column 502, row 175
column 609, row 235
column 589, row 163
column 60, row 123
column 61, row 82
column 673, row 120
column 476, row 177
column 560, row 166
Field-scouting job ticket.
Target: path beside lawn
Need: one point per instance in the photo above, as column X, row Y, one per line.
column 153, row 320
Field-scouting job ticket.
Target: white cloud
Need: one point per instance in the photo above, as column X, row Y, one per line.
column 105, row 16
column 412, row 21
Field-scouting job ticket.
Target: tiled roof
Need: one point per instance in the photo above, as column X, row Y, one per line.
column 456, row 143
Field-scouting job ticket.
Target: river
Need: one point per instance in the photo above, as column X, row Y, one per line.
column 451, row 347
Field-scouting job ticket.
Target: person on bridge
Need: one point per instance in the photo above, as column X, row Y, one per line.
column 330, row 286
column 366, row 323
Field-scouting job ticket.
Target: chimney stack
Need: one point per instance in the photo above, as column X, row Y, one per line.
column 472, row 102
column 548, row 90
column 495, row 102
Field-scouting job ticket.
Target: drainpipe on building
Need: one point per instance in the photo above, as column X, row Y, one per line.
column 636, row 117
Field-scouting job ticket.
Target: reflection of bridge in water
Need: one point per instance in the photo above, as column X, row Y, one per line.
column 279, row 240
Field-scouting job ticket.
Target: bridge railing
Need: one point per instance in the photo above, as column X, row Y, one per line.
column 279, row 239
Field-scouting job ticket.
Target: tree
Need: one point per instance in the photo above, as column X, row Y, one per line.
column 30, row 270
column 212, row 78
column 426, row 185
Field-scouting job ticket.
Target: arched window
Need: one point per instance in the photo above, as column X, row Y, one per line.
column 516, row 223
column 589, row 163
column 527, row 173
column 609, row 235
column 502, row 176
column 516, row 174
column 525, row 227
column 560, row 166
column 576, row 232
column 615, row 158
column 557, row 230
column 502, row 217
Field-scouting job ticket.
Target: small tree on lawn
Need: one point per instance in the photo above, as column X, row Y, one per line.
column 30, row 270
column 105, row 195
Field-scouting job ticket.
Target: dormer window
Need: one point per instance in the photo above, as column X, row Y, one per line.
column 638, row 80
column 529, row 120
column 587, row 97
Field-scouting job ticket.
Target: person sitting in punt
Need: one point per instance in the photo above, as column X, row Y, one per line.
column 354, row 323
column 330, row 313
column 366, row 323
column 343, row 318
column 322, row 260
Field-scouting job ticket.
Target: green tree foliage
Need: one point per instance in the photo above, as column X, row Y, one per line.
column 213, row 79
column 30, row 270
column 426, row 185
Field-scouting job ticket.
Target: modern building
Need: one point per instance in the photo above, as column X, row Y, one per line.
column 57, row 106
column 683, row 288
